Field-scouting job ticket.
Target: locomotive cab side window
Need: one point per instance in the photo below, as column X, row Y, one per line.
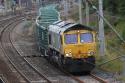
column 71, row 38
column 49, row 38
column 61, row 40
column 86, row 37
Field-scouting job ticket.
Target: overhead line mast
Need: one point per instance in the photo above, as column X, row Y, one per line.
column 101, row 25
column 5, row 5
column 87, row 13
column 101, row 30
column 81, row 11
column 106, row 21
column 65, row 3
column 81, row 15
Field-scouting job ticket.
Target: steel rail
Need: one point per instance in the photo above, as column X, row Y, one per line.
column 35, row 69
column 77, row 79
column 29, row 65
column 98, row 78
column 68, row 74
column 2, row 31
column 27, row 80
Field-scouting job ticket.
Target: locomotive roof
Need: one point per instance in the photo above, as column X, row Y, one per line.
column 63, row 26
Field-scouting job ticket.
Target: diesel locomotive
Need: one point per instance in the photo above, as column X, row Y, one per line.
column 70, row 45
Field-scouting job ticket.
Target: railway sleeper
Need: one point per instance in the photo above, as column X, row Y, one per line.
column 31, row 56
column 1, row 80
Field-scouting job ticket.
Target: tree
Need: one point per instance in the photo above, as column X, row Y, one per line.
column 115, row 6
column 111, row 6
column 121, row 7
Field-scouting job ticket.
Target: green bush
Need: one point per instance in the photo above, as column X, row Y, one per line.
column 114, row 66
column 121, row 28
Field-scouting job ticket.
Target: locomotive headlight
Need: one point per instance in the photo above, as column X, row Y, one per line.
column 68, row 55
column 91, row 53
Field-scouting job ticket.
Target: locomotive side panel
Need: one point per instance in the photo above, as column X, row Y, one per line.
column 55, row 41
column 42, row 38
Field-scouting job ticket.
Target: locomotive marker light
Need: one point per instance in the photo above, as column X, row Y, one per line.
column 91, row 53
column 68, row 55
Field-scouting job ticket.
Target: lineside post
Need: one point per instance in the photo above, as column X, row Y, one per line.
column 81, row 11
column 101, row 30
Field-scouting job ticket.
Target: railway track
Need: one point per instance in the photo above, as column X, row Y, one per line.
column 2, row 79
column 29, row 73
column 5, row 66
column 98, row 78
column 90, row 78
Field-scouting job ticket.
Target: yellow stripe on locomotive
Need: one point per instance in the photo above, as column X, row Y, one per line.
column 79, row 44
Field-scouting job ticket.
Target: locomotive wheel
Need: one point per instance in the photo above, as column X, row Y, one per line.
column 60, row 61
column 49, row 57
column 45, row 54
column 43, row 51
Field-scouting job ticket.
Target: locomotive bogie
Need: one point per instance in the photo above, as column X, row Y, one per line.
column 79, row 65
column 55, row 41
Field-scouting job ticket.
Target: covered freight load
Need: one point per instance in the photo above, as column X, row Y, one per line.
column 47, row 15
